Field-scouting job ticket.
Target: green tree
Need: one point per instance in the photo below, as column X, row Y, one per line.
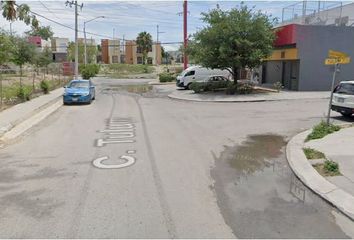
column 91, row 52
column 44, row 32
column 43, row 59
column 165, row 55
column 12, row 12
column 5, row 47
column 144, row 42
column 5, row 55
column 233, row 39
column 22, row 53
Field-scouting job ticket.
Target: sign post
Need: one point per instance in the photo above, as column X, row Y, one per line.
column 331, row 98
column 335, row 58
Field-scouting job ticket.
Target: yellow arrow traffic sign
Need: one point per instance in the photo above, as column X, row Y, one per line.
column 332, row 61
column 336, row 54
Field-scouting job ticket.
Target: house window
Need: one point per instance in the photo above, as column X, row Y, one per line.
column 139, row 60
column 139, row 50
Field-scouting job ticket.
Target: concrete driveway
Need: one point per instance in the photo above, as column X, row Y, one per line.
column 195, row 170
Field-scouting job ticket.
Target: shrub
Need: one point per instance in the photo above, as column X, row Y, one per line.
column 24, row 93
column 166, row 77
column 45, row 86
column 89, row 70
column 197, row 87
column 321, row 130
column 146, row 69
column 331, row 167
column 231, row 88
column 244, row 88
column 278, row 86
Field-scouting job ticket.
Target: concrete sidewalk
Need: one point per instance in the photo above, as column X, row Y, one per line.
column 19, row 113
column 189, row 95
column 338, row 147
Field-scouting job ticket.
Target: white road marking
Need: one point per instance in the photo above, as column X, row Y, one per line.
column 131, row 151
column 102, row 142
column 115, row 130
column 98, row 162
column 122, row 135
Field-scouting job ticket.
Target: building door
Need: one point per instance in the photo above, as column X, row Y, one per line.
column 294, row 75
column 283, row 75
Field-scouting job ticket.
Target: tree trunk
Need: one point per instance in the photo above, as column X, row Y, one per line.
column 21, row 76
column 234, row 73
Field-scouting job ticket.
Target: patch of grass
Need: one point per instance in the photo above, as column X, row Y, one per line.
column 313, row 154
column 321, row 130
column 128, row 69
column 167, row 77
column 328, row 169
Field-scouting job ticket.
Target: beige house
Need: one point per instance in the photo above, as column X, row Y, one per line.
column 134, row 55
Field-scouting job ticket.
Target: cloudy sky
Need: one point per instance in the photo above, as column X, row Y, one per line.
column 128, row 18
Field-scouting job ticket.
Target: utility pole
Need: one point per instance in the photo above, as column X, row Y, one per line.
column 76, row 44
column 76, row 72
column 158, row 33
column 85, row 43
column 157, row 38
column 185, row 36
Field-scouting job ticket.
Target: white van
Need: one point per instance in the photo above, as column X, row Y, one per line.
column 198, row 74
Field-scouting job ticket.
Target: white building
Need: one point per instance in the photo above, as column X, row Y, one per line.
column 319, row 13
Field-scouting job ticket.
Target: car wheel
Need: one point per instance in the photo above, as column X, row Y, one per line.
column 346, row 114
column 188, row 86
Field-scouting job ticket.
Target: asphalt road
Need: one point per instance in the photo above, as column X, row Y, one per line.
column 144, row 166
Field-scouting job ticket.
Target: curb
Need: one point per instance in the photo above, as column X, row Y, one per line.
column 303, row 169
column 38, row 115
column 11, row 124
column 216, row 101
column 172, row 96
column 163, row 83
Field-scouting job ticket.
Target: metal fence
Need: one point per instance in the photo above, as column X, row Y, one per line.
column 319, row 13
column 11, row 81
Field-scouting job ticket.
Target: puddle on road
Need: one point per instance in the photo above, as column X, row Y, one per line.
column 254, row 153
column 133, row 88
column 260, row 197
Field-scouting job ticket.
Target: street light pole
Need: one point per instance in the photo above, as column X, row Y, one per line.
column 85, row 43
column 331, row 98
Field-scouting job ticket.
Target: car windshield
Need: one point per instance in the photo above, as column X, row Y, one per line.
column 79, row 85
column 345, row 88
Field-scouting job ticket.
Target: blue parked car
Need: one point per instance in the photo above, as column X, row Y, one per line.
column 79, row 91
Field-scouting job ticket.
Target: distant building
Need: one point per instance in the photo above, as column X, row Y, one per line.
column 90, row 43
column 298, row 58
column 110, row 51
column 39, row 42
column 60, row 49
column 134, row 55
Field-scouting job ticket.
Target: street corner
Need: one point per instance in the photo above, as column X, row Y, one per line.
column 300, row 152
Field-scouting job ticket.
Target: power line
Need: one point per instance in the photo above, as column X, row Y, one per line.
column 69, row 27
column 47, row 8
